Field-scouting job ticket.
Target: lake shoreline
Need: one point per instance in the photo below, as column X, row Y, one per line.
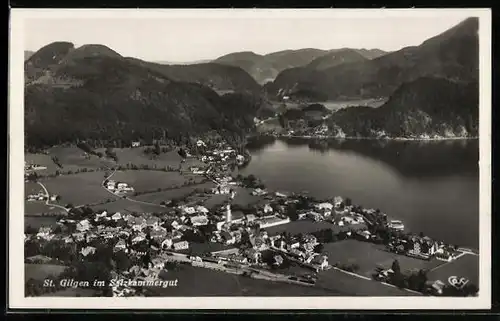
column 376, row 138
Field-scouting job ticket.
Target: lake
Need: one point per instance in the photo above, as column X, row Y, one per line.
column 432, row 186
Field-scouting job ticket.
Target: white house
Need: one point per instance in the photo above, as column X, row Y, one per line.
column 167, row 243
column 338, row 201
column 201, row 209
column 87, row 250
column 120, row 245
column 83, row 226
column 268, row 208
column 199, row 220
column 138, row 238
column 53, row 197
column 136, row 144
column 122, row 185
column 117, row 216
column 183, row 245
column 103, row 214
column 324, row 206
column 200, row 143
column 189, row 210
column 228, row 238
column 153, row 222
column 44, row 232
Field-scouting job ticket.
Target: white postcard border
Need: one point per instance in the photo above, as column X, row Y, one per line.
column 16, row 169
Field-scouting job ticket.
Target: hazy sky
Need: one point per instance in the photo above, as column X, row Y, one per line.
column 203, row 37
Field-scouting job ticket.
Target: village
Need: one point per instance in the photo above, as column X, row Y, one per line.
column 247, row 240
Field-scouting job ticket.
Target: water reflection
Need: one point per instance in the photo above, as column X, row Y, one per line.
column 409, row 158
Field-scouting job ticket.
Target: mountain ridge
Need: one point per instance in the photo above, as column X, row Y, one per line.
column 452, row 54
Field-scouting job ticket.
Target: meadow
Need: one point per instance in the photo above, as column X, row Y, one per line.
column 137, row 156
column 39, row 208
column 350, row 285
column 465, row 266
column 126, row 206
column 39, row 221
column 79, row 189
column 181, row 192
column 369, row 256
column 296, row 227
column 151, row 180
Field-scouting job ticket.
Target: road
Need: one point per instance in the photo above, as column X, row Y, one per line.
column 127, row 198
column 47, row 202
column 343, row 271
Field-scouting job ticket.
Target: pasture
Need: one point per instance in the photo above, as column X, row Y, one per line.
column 42, row 160
column 79, row 189
column 150, row 180
column 39, row 221
column 73, row 158
column 350, row 285
column 37, row 208
column 465, row 266
column 137, row 157
column 296, row 227
column 369, row 256
column 176, row 193
column 32, row 188
column 126, row 206
column 195, row 281
column 42, row 271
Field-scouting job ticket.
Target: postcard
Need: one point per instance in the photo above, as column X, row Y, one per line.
column 250, row 159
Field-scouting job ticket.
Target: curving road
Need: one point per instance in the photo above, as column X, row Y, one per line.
column 47, row 202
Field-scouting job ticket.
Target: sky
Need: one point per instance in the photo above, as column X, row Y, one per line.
column 202, row 37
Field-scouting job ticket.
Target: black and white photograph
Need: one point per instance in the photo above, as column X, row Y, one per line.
column 250, row 158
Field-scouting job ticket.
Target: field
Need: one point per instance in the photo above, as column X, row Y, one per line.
column 37, row 222
column 349, row 285
column 78, row 189
column 194, row 281
column 71, row 158
column 32, row 188
column 34, row 208
column 149, row 180
column 159, row 197
column 244, row 197
column 303, row 226
column 466, row 266
column 42, row 271
column 127, row 206
column 138, row 157
column 368, row 256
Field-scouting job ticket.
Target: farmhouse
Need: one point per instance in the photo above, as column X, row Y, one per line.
column 83, row 226
column 120, row 246
column 117, row 216
column 199, row 220
column 183, row 245
column 87, row 250
column 272, row 220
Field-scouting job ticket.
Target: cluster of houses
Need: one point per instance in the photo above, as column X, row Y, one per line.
column 33, row 167
column 423, row 248
column 118, row 187
column 41, row 196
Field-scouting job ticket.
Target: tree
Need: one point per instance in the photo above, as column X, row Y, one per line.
column 318, row 248
column 291, row 212
column 395, row 267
